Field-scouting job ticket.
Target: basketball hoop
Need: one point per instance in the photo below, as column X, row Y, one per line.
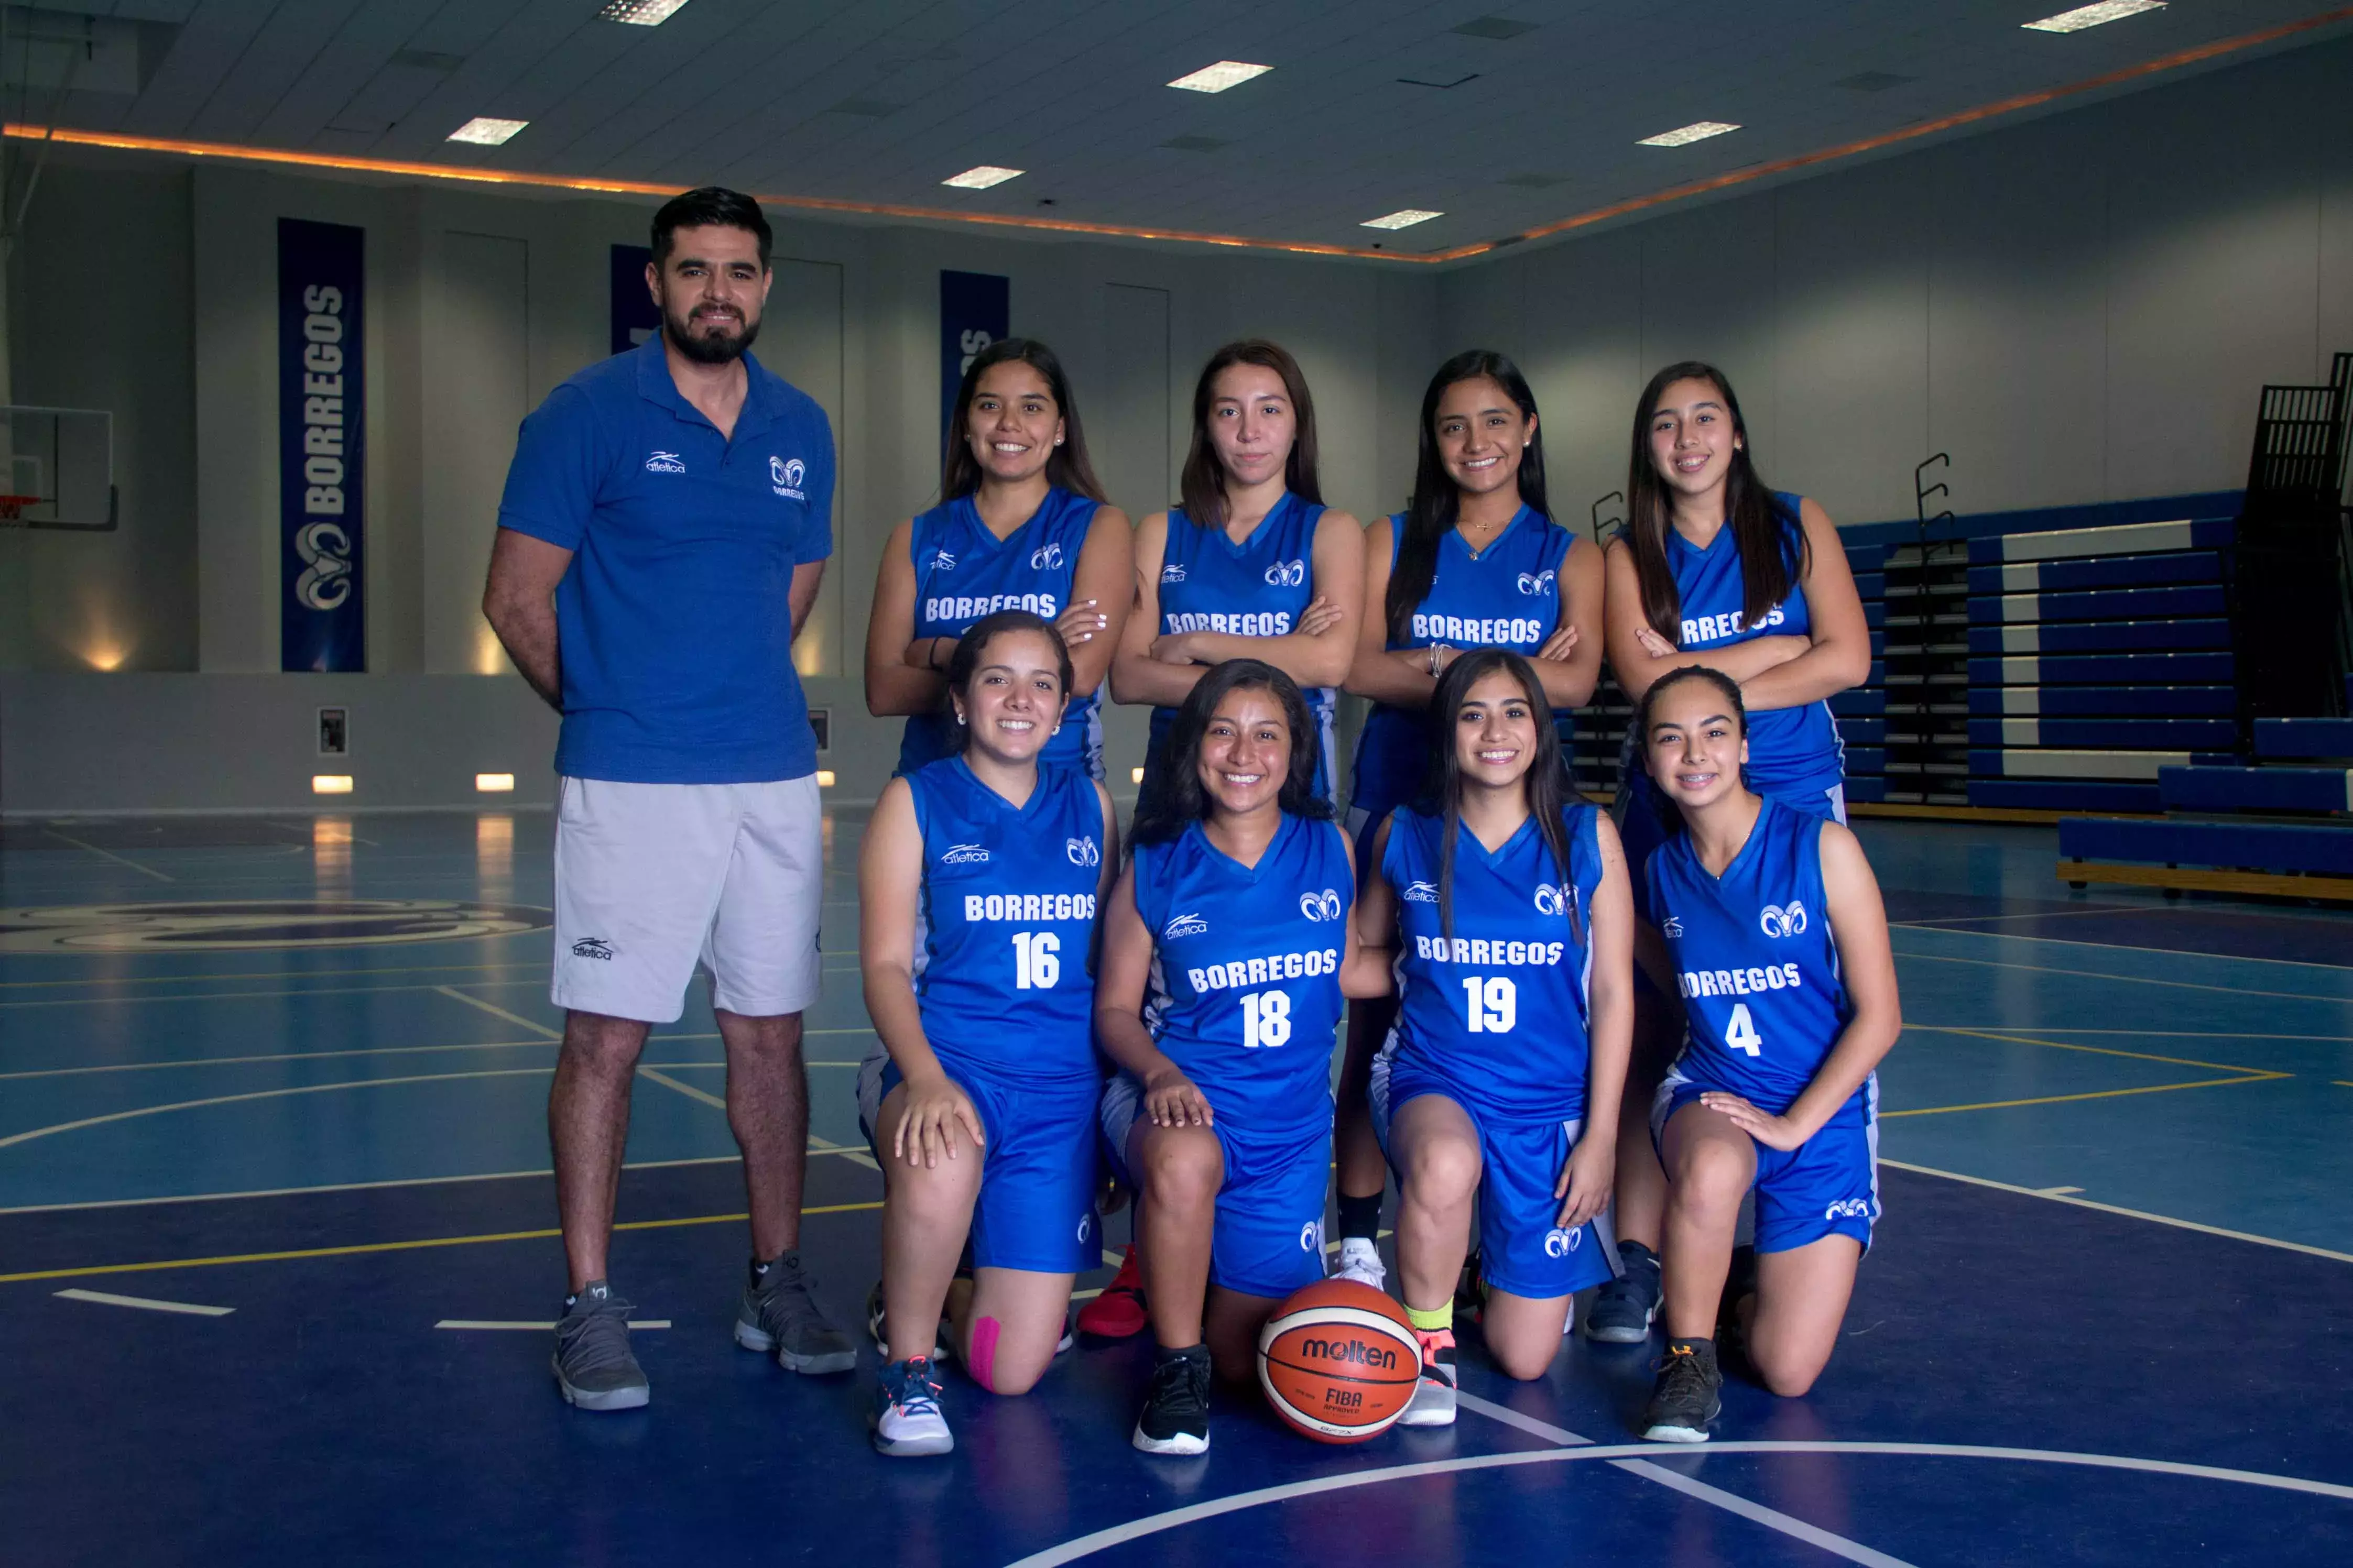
column 12, row 509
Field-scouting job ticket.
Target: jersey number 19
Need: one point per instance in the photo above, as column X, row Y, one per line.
column 1494, row 1005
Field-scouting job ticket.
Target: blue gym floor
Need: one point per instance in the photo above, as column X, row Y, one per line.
column 280, row 1083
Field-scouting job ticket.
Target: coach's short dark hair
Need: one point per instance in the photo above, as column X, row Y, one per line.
column 707, row 206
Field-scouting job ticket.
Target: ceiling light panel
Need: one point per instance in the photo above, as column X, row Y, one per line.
column 484, row 131
column 981, row 177
column 642, row 13
column 1683, row 136
column 1403, row 217
column 1221, row 75
column 2083, row 16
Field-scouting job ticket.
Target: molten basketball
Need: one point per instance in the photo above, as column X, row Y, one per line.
column 1339, row 1362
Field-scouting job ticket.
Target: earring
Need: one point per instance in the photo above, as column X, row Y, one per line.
column 959, row 719
column 1058, row 441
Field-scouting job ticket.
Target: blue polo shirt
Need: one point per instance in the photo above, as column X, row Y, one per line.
column 674, row 618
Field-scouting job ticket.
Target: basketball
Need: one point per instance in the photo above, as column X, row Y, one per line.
column 1339, row 1362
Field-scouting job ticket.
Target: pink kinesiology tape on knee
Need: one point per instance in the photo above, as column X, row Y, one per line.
column 982, row 1363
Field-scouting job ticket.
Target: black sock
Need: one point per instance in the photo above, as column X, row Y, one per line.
column 1360, row 1218
column 1161, row 1353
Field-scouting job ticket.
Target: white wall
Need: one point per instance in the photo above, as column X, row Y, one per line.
column 2081, row 308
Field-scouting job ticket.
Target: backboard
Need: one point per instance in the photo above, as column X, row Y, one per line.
column 56, row 467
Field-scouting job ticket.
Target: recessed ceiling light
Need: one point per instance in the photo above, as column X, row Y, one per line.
column 1403, row 217
column 981, row 177
column 1683, row 136
column 2083, row 16
column 1220, row 77
column 642, row 13
column 487, row 133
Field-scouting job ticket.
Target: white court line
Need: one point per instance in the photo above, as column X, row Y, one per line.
column 2126, row 979
column 2050, row 1195
column 817, row 1144
column 497, row 1325
column 2126, row 947
column 1119, row 1534
column 146, row 1304
column 108, row 855
column 517, row 1019
column 16, row 1138
column 1731, row 1502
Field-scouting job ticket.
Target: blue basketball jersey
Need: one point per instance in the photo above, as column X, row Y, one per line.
column 1791, row 750
column 1006, row 919
column 1754, row 959
column 1498, row 1013
column 1507, row 596
column 1245, row 989
column 963, row 573
column 1255, row 589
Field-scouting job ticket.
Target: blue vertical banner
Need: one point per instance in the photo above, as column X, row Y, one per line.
column 976, row 310
column 635, row 318
column 322, row 429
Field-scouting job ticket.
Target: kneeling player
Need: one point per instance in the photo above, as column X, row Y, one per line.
column 1497, row 1090
column 978, row 884
column 1779, row 951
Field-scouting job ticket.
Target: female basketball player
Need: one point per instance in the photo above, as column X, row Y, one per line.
column 1475, row 560
column 977, row 888
column 1023, row 525
column 1252, row 565
column 1225, row 945
column 1778, row 953
column 1715, row 570
column 1496, row 1095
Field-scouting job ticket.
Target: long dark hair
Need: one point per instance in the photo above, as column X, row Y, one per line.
column 1203, row 487
column 964, row 662
column 1761, row 531
column 1546, row 782
column 1436, row 503
column 1671, row 816
column 1066, row 468
column 1180, row 801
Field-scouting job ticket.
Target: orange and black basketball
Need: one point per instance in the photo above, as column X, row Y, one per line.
column 1339, row 1362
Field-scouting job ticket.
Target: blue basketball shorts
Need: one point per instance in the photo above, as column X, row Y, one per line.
column 1037, row 1206
column 1828, row 1185
column 1268, row 1236
column 1522, row 1248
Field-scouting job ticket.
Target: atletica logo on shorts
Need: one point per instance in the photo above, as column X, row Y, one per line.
column 592, row 947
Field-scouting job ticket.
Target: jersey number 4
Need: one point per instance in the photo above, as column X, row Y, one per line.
column 1036, row 961
column 1740, row 1034
column 1266, row 1018
column 1494, row 1005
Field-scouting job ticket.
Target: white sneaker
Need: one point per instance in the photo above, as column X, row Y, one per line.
column 1360, row 1260
column 907, row 1419
column 1434, row 1396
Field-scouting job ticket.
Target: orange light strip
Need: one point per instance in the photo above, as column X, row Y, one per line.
column 291, row 158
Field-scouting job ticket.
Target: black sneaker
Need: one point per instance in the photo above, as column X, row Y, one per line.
column 1685, row 1398
column 779, row 1313
column 1624, row 1309
column 593, row 1367
column 1175, row 1418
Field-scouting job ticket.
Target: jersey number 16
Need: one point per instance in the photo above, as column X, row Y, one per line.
column 1036, row 963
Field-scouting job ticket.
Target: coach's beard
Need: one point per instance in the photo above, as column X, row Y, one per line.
column 709, row 348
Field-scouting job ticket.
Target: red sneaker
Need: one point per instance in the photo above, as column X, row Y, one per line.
column 1118, row 1313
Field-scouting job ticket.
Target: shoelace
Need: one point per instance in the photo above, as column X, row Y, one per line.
column 1180, row 1384
column 598, row 1341
column 915, row 1392
column 1684, row 1375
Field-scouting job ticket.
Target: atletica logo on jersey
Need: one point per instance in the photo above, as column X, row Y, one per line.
column 784, row 476
column 1184, row 925
column 1322, row 906
column 1173, row 573
column 964, row 854
column 1045, row 558
column 1775, row 920
column 1082, row 851
column 943, row 562
column 1287, row 574
column 1419, row 893
column 1536, row 583
column 1674, row 926
column 665, row 463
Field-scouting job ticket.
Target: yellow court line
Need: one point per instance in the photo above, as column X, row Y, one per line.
column 2095, row 1050
column 130, row 1115
column 2092, row 1094
column 269, row 973
column 2126, row 979
column 371, row 1246
column 2164, row 1034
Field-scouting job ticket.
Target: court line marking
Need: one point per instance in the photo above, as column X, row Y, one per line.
column 856, row 1156
column 107, row 855
column 2048, row 1196
column 517, row 1019
column 299, row 991
column 1731, row 1502
column 1992, row 1032
column 132, row 1114
column 1087, row 1545
column 2127, row 979
column 390, row 1051
column 2095, row 1050
column 264, row 974
column 2129, row 947
column 2089, row 1094
column 497, row 1324
column 145, row 1303
column 361, row 1248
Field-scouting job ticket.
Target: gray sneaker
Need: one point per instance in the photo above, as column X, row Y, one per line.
column 593, row 1365
column 779, row 1313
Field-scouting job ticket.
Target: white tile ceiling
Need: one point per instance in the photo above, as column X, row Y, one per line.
column 878, row 101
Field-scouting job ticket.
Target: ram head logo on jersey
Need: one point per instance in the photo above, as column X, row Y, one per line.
column 965, row 855
column 1173, row 573
column 1775, row 920
column 1322, row 906
column 1555, row 901
column 1184, row 925
column 1536, row 583
column 1045, row 558
column 1287, row 574
column 1082, row 851
column 1419, row 893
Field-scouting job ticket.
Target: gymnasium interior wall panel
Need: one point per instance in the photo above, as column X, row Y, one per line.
column 1584, row 359
column 477, row 351
column 801, row 339
column 1130, row 439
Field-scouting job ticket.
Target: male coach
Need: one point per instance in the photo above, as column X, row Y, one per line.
column 665, row 524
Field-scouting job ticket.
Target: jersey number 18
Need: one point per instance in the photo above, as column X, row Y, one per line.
column 1266, row 1018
